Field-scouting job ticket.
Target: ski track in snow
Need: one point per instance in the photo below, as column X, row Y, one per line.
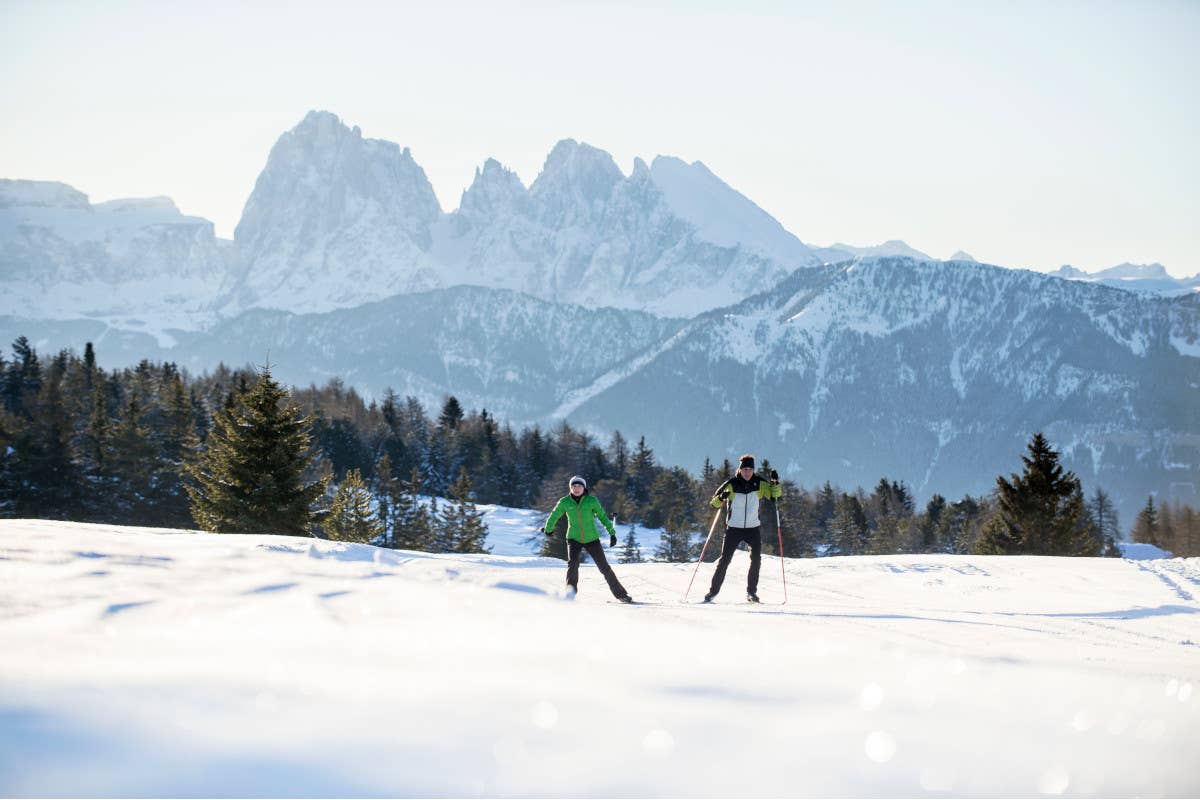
column 166, row 662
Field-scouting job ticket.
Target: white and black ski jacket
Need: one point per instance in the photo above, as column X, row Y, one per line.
column 743, row 496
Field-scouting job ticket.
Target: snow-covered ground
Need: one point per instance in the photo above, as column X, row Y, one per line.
column 140, row 662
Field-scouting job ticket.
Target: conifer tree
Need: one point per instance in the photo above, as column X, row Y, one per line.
column 1187, row 531
column 1166, row 528
column 385, row 489
column 631, row 551
column 676, row 543
column 413, row 525
column 1104, row 516
column 452, row 414
column 131, row 464
column 97, row 434
column 351, row 518
column 1040, row 510
column 931, row 526
column 250, row 476
column 1145, row 528
column 848, row 528
column 462, row 529
column 641, row 474
column 618, row 454
column 40, row 476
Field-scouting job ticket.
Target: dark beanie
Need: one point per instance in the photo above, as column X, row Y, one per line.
column 747, row 461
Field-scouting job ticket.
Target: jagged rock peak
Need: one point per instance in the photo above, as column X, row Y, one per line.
column 494, row 186
column 579, row 160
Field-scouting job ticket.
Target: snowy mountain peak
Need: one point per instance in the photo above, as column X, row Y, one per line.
column 589, row 170
column 494, row 188
column 892, row 247
column 335, row 219
column 574, row 186
column 963, row 255
column 40, row 194
column 1153, row 271
column 1146, row 278
column 722, row 215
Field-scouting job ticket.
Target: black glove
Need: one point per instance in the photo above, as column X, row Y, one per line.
column 549, row 532
column 612, row 540
column 774, row 476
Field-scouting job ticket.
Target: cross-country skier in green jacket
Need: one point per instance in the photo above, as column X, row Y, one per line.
column 742, row 492
column 582, row 510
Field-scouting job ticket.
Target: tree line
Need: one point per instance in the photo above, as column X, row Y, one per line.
column 232, row 450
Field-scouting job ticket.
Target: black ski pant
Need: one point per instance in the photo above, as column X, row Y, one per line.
column 596, row 551
column 734, row 537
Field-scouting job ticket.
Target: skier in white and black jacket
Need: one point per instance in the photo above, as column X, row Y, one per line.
column 743, row 492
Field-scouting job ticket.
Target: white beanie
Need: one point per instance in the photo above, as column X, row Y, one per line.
column 576, row 479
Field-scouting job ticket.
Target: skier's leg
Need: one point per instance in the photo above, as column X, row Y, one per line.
column 728, row 548
column 574, row 553
column 596, row 551
column 753, row 537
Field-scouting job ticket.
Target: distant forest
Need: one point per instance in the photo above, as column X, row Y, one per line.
column 78, row 442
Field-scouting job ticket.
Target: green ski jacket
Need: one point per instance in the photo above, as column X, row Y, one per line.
column 581, row 518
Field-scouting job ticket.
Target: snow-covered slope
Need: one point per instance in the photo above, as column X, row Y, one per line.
column 173, row 663
column 720, row 214
column 138, row 263
column 935, row 373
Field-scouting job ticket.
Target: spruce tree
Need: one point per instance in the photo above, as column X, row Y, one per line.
column 1166, row 529
column 848, row 528
column 1104, row 516
column 452, row 414
column 41, row 479
column 631, row 551
column 1040, row 510
column 385, row 489
column 413, row 525
column 676, row 543
column 641, row 474
column 351, row 518
column 462, row 529
column 1145, row 527
column 131, row 461
column 931, row 525
column 250, row 476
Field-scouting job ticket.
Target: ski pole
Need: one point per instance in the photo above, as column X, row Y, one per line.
column 779, row 530
column 711, row 528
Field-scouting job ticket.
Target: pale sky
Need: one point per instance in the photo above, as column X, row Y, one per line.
column 1030, row 134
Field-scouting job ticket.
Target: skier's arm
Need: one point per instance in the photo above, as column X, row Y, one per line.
column 721, row 494
column 604, row 520
column 770, row 491
column 558, row 511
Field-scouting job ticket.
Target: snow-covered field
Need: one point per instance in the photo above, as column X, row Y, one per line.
column 139, row 662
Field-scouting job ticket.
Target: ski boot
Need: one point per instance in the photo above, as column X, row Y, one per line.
column 751, row 597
